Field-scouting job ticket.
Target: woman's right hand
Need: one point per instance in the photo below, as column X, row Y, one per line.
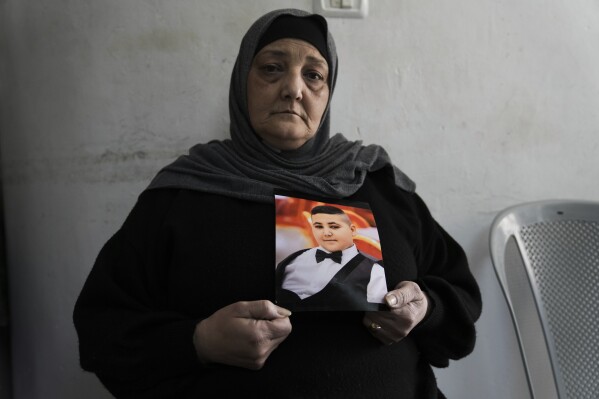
column 242, row 334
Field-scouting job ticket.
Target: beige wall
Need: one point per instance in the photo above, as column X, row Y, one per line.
column 483, row 103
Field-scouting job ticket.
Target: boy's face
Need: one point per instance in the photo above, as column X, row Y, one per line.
column 333, row 232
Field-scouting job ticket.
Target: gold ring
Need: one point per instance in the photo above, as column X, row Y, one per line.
column 374, row 327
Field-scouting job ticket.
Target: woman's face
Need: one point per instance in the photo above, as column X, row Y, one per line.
column 287, row 92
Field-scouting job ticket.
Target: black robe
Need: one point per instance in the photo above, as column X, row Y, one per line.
column 181, row 255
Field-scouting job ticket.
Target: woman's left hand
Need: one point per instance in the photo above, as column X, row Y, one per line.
column 408, row 305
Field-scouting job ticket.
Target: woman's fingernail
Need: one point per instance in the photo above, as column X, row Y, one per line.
column 391, row 300
column 284, row 312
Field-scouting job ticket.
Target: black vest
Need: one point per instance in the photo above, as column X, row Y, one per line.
column 347, row 290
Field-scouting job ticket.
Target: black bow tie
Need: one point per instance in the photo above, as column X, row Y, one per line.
column 334, row 256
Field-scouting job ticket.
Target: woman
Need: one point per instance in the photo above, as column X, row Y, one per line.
column 180, row 300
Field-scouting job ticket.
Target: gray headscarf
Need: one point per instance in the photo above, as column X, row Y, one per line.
column 244, row 167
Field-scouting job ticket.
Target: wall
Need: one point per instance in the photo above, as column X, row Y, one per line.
column 483, row 103
column 5, row 360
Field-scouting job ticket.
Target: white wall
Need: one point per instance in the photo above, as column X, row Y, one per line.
column 484, row 103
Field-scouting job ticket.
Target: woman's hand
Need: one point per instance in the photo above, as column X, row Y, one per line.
column 242, row 334
column 408, row 305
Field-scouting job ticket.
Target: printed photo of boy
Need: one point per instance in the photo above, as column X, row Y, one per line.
column 335, row 275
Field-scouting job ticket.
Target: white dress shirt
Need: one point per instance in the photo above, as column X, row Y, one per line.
column 306, row 277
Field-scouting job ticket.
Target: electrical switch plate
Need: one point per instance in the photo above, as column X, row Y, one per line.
column 341, row 8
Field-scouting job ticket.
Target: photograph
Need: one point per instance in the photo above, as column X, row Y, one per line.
column 299, row 199
column 328, row 255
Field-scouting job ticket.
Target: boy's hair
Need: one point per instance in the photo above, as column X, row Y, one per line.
column 331, row 210
column 327, row 209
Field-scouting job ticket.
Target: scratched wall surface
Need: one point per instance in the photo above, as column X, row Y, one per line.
column 483, row 103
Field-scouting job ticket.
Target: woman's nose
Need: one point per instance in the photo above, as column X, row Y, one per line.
column 293, row 86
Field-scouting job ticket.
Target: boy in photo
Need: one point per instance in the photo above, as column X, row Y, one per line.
column 334, row 275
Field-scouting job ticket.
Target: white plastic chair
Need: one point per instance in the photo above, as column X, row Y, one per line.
column 546, row 256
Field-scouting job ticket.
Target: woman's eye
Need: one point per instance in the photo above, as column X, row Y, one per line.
column 314, row 75
column 271, row 68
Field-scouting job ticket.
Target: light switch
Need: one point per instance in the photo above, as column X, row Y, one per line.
column 341, row 8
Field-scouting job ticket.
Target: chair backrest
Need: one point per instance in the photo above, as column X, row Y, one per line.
column 546, row 256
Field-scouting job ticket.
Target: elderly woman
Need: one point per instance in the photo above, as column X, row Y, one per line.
column 180, row 302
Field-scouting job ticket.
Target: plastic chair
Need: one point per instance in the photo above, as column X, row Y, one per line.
column 546, row 256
